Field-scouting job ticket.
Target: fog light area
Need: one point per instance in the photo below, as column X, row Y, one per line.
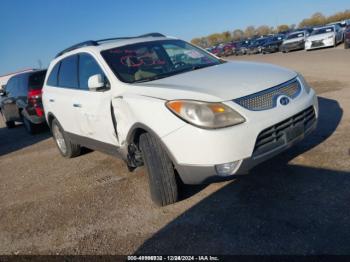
column 227, row 169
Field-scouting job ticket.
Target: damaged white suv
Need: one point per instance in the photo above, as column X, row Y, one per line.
column 179, row 110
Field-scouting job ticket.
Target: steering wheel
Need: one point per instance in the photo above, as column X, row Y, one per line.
column 179, row 64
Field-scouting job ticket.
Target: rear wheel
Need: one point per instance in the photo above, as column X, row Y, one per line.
column 161, row 173
column 346, row 46
column 66, row 147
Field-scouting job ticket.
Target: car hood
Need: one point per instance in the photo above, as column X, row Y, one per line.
column 216, row 83
column 293, row 40
column 320, row 36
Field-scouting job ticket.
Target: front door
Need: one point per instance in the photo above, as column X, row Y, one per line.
column 92, row 109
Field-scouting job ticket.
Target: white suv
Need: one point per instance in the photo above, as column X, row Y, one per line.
column 174, row 107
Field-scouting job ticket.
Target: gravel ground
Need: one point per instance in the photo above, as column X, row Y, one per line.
column 296, row 203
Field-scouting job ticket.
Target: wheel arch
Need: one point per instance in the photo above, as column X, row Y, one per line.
column 50, row 118
column 133, row 138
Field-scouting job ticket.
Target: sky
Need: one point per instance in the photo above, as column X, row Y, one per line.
column 36, row 30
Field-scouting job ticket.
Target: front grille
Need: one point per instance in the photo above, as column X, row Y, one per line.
column 293, row 44
column 267, row 99
column 286, row 131
column 317, row 43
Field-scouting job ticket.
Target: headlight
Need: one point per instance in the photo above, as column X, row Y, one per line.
column 205, row 115
column 330, row 37
column 303, row 82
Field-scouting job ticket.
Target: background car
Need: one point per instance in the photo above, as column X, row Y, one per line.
column 22, row 102
column 273, row 44
column 324, row 37
column 217, row 50
column 242, row 47
column 256, row 46
column 228, row 49
column 347, row 37
column 294, row 41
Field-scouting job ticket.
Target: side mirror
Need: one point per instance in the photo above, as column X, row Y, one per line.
column 96, row 82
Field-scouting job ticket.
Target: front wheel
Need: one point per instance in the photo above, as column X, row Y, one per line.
column 161, row 173
column 66, row 147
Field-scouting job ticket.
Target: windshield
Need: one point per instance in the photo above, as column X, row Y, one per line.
column 275, row 39
column 322, row 30
column 297, row 35
column 149, row 61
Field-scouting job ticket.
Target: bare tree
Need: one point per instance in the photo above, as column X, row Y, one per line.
column 237, row 34
column 263, row 30
column 249, row 31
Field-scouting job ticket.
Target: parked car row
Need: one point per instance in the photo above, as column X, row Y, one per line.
column 154, row 100
column 307, row 38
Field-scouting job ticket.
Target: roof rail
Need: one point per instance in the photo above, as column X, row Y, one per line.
column 130, row 37
column 97, row 42
column 82, row 44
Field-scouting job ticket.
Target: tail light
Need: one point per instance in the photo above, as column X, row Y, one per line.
column 34, row 99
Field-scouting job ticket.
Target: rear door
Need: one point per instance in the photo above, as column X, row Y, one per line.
column 9, row 107
column 61, row 87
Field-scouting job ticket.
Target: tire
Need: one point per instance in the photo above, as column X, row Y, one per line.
column 346, row 46
column 161, row 173
column 10, row 124
column 29, row 126
column 67, row 148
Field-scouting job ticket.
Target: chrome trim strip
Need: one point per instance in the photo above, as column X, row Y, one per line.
column 270, row 90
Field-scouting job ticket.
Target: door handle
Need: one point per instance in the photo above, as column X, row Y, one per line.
column 77, row 105
column 51, row 100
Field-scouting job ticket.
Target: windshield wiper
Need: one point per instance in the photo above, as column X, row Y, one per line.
column 187, row 69
column 156, row 77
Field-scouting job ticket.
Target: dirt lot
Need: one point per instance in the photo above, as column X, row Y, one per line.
column 297, row 203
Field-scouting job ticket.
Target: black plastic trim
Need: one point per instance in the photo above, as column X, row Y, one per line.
column 96, row 145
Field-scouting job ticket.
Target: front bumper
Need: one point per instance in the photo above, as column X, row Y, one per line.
column 293, row 46
column 201, row 150
column 319, row 43
column 270, row 49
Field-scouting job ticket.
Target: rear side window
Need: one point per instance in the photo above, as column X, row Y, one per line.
column 36, row 80
column 87, row 67
column 68, row 73
column 22, row 85
column 53, row 77
column 10, row 86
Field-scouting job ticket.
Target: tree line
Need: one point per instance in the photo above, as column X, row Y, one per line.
column 251, row 31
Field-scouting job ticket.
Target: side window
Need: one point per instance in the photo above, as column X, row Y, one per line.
column 10, row 85
column 68, row 73
column 14, row 87
column 22, row 85
column 36, row 80
column 53, row 77
column 87, row 67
